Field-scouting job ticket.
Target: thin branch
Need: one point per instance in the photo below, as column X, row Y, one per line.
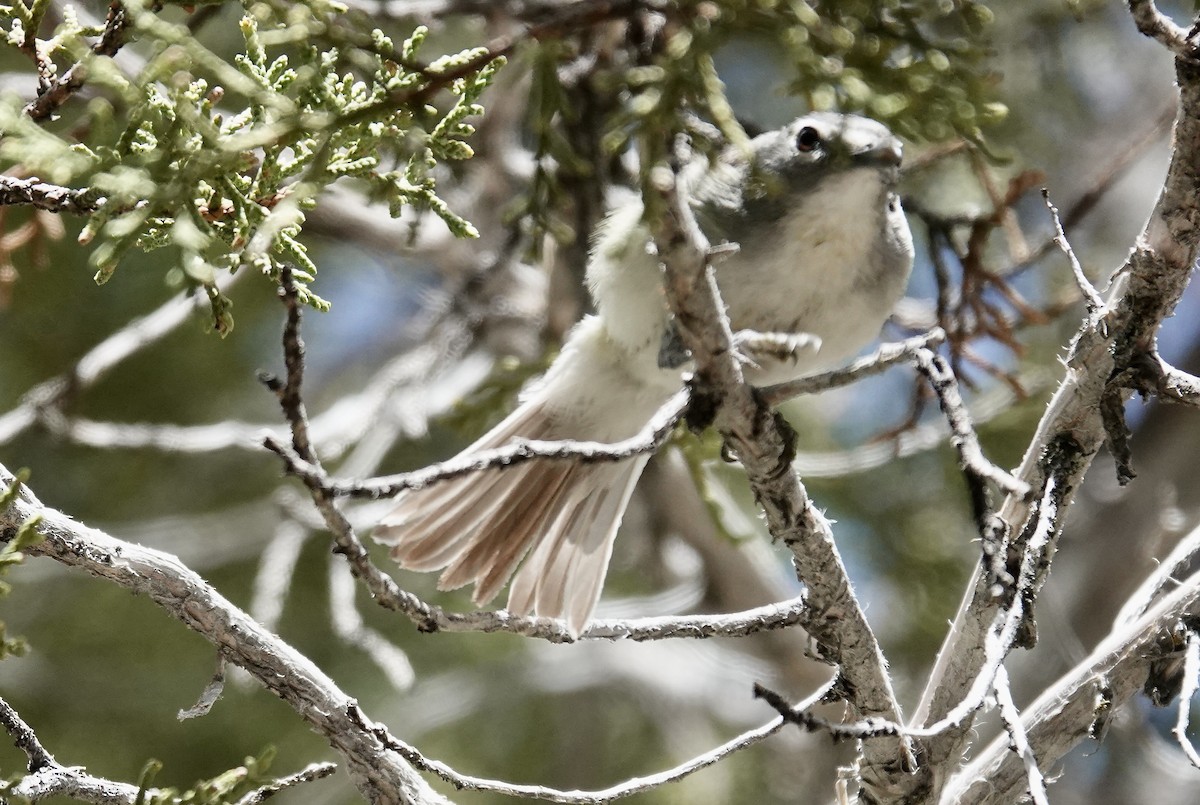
column 49, row 197
column 649, row 439
column 431, row 618
column 801, row 715
column 346, row 542
column 379, row 774
column 1091, row 296
column 886, row 356
column 1017, row 737
column 1156, row 25
column 314, row 771
column 636, row 785
column 25, row 739
column 975, row 464
column 57, row 92
column 293, row 357
column 1073, row 709
column 1191, row 678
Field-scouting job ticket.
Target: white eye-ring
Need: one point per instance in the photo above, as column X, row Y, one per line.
column 808, row 140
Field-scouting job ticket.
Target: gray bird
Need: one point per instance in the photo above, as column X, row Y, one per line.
column 824, row 254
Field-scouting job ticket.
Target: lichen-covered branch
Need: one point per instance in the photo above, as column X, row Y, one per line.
column 1101, row 368
column 45, row 196
column 380, row 774
column 1074, row 709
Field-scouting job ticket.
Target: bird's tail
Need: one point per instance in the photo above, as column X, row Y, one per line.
column 558, row 515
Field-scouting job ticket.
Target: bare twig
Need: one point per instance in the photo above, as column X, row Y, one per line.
column 314, row 771
column 293, row 357
column 975, row 464
column 55, row 93
column 346, row 541
column 430, row 618
column 801, row 715
column 1017, row 737
column 1156, row 25
column 25, row 738
column 1091, row 296
column 1191, row 678
column 636, row 785
column 977, row 469
column 649, row 439
column 50, row 197
column 379, row 774
column 885, row 357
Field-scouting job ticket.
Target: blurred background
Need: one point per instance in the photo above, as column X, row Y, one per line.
column 428, row 340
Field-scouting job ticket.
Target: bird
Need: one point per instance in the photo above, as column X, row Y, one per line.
column 823, row 254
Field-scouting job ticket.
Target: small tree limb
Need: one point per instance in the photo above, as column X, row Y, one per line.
column 378, row 772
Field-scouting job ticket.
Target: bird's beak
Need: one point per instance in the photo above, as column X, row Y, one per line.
column 887, row 153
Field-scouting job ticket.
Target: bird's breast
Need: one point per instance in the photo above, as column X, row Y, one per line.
column 834, row 267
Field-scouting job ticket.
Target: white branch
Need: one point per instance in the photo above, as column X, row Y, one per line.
column 1191, row 677
column 1020, row 741
column 1110, row 341
column 636, row 785
column 380, row 774
column 1074, row 708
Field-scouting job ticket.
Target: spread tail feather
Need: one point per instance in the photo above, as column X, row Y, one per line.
column 563, row 514
column 559, row 516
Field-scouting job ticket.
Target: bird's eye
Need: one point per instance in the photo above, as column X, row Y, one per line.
column 808, row 140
